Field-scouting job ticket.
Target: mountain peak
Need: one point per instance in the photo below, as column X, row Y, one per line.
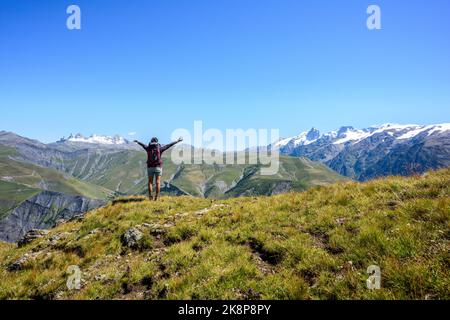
column 344, row 130
column 313, row 134
column 95, row 139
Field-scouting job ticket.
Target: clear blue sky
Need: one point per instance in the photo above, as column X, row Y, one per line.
column 151, row 66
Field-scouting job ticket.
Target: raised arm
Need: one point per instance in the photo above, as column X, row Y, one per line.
column 167, row 146
column 141, row 144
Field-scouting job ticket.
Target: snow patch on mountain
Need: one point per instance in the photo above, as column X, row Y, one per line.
column 440, row 128
column 303, row 139
column 409, row 131
column 431, row 130
column 350, row 135
column 282, row 142
column 96, row 139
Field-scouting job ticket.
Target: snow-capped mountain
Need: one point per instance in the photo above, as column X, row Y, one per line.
column 302, row 139
column 95, row 139
column 375, row 151
column 350, row 135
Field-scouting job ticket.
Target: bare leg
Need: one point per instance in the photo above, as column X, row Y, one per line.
column 150, row 187
column 158, row 187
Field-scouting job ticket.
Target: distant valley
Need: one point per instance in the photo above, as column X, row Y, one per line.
column 43, row 183
column 101, row 168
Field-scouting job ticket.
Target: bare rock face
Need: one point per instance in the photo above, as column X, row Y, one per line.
column 43, row 211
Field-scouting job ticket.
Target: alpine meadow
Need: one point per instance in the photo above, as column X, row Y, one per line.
column 225, row 159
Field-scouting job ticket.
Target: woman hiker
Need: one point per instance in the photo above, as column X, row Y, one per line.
column 155, row 163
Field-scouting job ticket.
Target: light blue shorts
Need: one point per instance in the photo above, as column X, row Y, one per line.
column 154, row 172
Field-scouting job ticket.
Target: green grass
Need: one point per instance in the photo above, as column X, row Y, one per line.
column 311, row 245
column 300, row 173
column 12, row 194
column 37, row 177
column 125, row 173
column 224, row 181
column 120, row 171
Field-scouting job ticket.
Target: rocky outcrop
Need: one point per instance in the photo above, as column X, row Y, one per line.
column 32, row 235
column 43, row 211
column 20, row 263
column 131, row 238
column 282, row 187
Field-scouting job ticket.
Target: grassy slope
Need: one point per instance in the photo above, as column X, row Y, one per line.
column 125, row 172
column 12, row 194
column 121, row 171
column 311, row 245
column 32, row 176
column 208, row 180
column 301, row 173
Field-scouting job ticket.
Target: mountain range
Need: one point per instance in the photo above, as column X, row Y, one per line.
column 77, row 141
column 43, row 183
column 364, row 154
